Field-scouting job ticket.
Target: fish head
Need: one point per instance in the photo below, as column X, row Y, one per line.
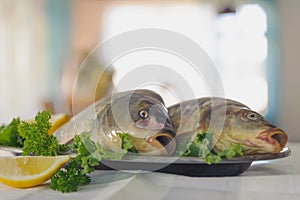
column 151, row 117
column 143, row 116
column 252, row 130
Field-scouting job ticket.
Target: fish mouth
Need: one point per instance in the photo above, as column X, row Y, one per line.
column 274, row 136
column 160, row 144
column 163, row 141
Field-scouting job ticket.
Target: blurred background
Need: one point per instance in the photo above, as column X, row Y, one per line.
column 255, row 46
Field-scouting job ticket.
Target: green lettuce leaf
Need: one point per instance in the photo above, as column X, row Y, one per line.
column 9, row 134
column 201, row 146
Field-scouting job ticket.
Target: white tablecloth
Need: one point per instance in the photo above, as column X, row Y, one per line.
column 278, row 179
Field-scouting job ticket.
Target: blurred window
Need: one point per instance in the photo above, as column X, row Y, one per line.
column 242, row 50
column 236, row 42
column 22, row 59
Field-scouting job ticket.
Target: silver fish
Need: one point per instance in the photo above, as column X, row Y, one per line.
column 139, row 113
column 231, row 122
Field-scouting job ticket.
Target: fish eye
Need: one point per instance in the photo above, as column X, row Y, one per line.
column 252, row 116
column 143, row 114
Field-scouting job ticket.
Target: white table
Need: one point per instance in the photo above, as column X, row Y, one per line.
column 279, row 179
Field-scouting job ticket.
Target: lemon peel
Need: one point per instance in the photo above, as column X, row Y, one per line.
column 29, row 171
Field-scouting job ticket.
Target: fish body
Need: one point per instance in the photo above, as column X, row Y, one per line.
column 139, row 113
column 230, row 121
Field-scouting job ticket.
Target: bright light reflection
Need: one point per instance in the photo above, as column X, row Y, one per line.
column 252, row 19
column 246, row 49
column 243, row 49
column 251, row 91
column 240, row 48
column 128, row 64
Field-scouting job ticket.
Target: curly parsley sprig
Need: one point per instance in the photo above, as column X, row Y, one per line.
column 34, row 139
column 89, row 154
column 37, row 141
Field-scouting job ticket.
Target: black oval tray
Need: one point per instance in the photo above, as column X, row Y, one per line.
column 188, row 166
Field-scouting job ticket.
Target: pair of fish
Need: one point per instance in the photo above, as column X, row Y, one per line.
column 157, row 130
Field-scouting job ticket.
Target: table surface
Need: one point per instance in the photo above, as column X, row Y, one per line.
column 276, row 179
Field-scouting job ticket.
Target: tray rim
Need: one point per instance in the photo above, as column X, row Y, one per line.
column 198, row 160
column 181, row 159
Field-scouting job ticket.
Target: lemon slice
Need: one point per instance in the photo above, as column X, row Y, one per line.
column 57, row 120
column 29, row 171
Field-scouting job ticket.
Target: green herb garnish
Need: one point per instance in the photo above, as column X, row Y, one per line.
column 37, row 141
column 89, row 154
column 9, row 134
column 34, row 139
column 201, row 146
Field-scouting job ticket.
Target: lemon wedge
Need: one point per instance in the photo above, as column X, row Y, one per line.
column 29, row 171
column 57, row 120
